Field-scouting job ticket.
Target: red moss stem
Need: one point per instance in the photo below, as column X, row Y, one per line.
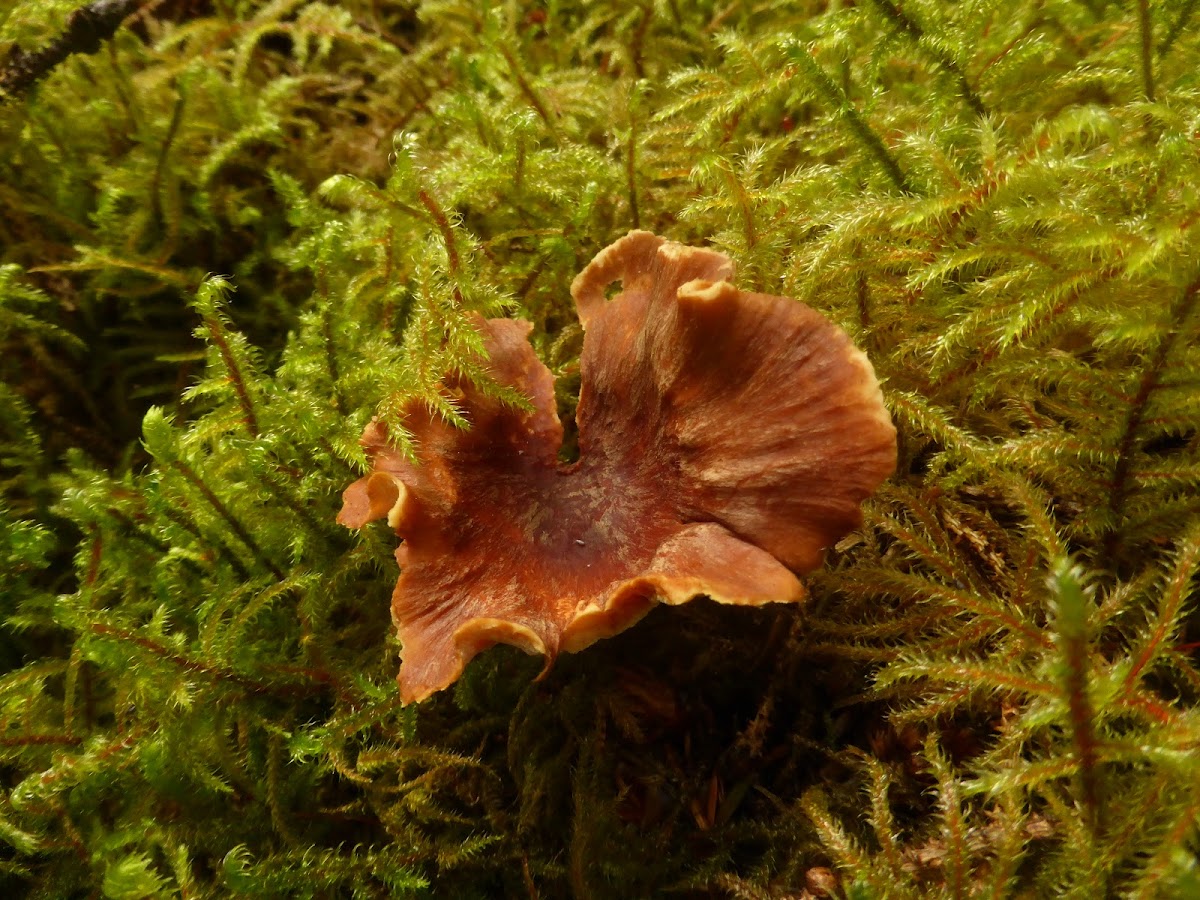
column 527, row 89
column 1147, row 33
column 216, row 333
column 1119, row 492
column 34, row 740
column 631, row 168
column 1071, row 624
column 223, row 511
column 217, row 673
column 442, row 221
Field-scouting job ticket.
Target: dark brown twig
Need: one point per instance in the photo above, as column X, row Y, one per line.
column 87, row 28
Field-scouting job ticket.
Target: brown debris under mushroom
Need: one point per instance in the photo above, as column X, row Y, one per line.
column 726, row 439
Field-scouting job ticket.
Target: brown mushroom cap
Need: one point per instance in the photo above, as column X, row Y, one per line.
column 726, row 439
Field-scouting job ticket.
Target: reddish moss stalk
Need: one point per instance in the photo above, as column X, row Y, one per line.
column 1137, row 412
column 235, row 526
column 1071, row 625
column 31, row 740
column 908, row 27
column 631, row 168
column 443, row 223
column 527, row 89
column 216, row 333
column 1147, row 32
column 202, row 668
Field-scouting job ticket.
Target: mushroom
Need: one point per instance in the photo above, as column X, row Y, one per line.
column 725, row 440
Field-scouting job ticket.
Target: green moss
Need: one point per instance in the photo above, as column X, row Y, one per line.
column 241, row 229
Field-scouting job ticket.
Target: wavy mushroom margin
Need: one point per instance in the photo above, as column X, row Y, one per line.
column 726, row 439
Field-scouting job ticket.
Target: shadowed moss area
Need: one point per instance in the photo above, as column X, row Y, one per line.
column 232, row 232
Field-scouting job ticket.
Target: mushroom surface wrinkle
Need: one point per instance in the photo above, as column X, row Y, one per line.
column 725, row 440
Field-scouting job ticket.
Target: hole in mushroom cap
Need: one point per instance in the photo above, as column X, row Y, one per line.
column 613, row 288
